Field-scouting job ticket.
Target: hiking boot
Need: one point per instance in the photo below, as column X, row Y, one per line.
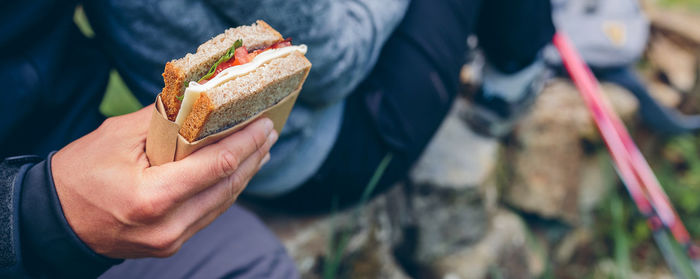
column 503, row 99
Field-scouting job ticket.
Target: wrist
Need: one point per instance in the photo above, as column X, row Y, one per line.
column 52, row 246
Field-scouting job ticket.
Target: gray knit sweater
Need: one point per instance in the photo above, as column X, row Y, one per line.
column 344, row 39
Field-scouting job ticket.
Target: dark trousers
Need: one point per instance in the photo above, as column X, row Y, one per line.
column 399, row 107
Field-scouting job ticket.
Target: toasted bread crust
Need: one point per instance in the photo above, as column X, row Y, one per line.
column 174, row 78
column 201, row 110
column 193, row 66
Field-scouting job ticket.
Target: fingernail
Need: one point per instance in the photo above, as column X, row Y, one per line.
column 269, row 126
column 272, row 137
column 264, row 160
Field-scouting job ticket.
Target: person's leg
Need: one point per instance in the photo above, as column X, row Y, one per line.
column 512, row 32
column 235, row 245
column 398, row 108
column 511, row 35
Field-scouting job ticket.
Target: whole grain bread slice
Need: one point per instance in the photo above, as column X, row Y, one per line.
column 193, row 66
column 241, row 98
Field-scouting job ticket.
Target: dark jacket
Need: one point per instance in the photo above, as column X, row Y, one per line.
column 53, row 80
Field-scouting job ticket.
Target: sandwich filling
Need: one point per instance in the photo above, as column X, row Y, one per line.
column 238, row 61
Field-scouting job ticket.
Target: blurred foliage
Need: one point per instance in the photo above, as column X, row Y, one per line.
column 679, row 173
column 118, row 99
column 620, row 239
column 81, row 21
column 693, row 5
column 622, row 232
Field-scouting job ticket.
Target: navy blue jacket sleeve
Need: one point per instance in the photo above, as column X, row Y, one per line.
column 36, row 238
column 11, row 172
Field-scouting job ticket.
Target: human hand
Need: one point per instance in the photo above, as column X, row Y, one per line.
column 122, row 207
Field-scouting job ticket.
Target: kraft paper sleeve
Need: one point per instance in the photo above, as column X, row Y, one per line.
column 165, row 144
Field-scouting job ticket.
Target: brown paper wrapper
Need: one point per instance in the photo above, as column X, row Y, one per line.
column 165, row 144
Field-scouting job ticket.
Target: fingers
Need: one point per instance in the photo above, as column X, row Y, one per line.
column 225, row 191
column 200, row 210
column 185, row 178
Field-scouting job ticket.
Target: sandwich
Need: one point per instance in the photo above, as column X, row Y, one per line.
column 231, row 78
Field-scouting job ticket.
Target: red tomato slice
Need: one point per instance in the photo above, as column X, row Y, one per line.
column 224, row 66
column 241, row 55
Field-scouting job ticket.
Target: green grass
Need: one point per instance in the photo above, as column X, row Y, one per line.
column 117, row 99
column 621, row 247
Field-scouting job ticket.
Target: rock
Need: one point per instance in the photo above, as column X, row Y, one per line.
column 622, row 101
column 438, row 211
column 572, row 242
column 371, row 232
column 306, row 239
column 682, row 25
column 456, row 157
column 445, row 220
column 407, row 226
column 677, row 63
column 594, row 185
column 664, row 94
column 373, row 260
column 503, row 251
column 548, row 172
column 445, row 200
column 608, row 269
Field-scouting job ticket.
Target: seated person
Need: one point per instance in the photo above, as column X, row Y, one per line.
column 384, row 75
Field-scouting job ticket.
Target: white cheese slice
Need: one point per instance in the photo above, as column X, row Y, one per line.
column 194, row 89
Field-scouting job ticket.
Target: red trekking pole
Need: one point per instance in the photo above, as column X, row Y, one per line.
column 633, row 169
